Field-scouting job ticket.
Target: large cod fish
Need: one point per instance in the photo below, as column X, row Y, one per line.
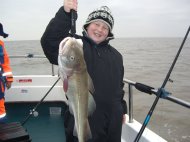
column 77, row 85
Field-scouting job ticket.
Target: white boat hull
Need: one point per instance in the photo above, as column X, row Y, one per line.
column 130, row 131
column 32, row 88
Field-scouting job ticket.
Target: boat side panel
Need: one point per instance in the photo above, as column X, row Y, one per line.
column 34, row 88
column 130, row 131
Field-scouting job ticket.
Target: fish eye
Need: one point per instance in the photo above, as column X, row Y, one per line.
column 72, row 58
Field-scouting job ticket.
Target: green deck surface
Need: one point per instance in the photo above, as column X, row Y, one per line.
column 48, row 126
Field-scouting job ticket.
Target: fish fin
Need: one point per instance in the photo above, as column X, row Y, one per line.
column 90, row 85
column 91, row 104
column 91, row 101
column 88, row 132
column 70, row 108
column 75, row 131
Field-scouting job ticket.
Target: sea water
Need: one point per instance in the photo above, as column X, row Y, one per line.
column 146, row 60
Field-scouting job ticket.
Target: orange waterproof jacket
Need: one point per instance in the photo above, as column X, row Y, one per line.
column 5, row 76
column 5, row 63
column 2, row 108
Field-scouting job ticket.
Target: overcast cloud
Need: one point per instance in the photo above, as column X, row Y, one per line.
column 27, row 20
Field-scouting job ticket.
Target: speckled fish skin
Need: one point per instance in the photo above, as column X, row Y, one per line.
column 77, row 84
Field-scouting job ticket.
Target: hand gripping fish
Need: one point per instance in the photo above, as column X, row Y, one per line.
column 77, row 85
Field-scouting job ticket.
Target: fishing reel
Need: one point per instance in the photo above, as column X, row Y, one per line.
column 34, row 113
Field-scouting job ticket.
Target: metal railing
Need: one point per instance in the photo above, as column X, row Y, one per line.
column 30, row 55
column 150, row 90
column 139, row 86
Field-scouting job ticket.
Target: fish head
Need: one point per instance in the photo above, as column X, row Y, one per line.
column 71, row 55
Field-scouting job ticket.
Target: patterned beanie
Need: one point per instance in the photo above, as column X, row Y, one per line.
column 103, row 14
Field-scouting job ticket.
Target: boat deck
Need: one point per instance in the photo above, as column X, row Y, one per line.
column 50, row 116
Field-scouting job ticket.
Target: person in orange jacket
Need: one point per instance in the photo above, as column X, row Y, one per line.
column 6, row 76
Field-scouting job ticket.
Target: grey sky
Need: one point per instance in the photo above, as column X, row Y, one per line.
column 27, row 20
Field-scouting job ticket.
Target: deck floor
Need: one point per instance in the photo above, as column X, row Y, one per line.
column 48, row 126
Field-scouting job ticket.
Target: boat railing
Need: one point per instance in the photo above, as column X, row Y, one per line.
column 30, row 55
column 139, row 86
column 150, row 90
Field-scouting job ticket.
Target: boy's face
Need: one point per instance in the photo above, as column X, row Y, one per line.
column 98, row 31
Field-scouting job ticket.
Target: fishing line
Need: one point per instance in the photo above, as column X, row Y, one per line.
column 33, row 111
column 158, row 94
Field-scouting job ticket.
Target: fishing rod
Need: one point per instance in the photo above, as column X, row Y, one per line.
column 73, row 22
column 73, row 31
column 33, row 111
column 158, row 94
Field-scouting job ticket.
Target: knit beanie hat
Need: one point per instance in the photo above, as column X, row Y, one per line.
column 102, row 14
column 2, row 32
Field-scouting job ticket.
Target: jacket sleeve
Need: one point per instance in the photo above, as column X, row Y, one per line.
column 57, row 29
column 123, row 102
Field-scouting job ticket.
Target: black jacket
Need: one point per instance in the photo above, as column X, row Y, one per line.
column 104, row 63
